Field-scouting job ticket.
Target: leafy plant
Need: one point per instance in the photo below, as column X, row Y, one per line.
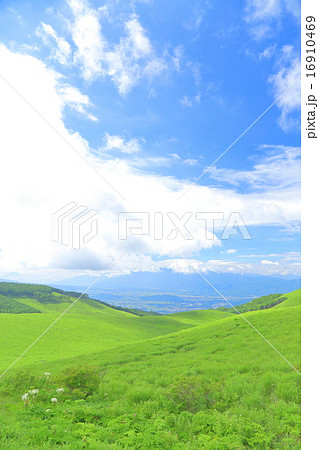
column 192, row 394
column 82, row 381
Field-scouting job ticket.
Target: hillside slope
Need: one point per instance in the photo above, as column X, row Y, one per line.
column 218, row 385
column 11, row 293
column 199, row 317
column 292, row 299
column 89, row 326
column 267, row 301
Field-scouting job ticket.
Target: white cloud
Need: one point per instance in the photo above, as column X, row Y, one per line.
column 189, row 102
column 133, row 59
column 278, row 169
column 60, row 48
column 49, row 174
column 289, row 70
column 125, row 146
column 293, row 7
column 15, row 13
column 195, row 20
column 87, row 35
column 267, row 262
column 177, row 57
column 289, row 256
column 72, row 97
column 263, row 15
column 194, row 265
column 268, row 52
column 231, row 250
column 263, row 9
column 175, row 155
column 128, row 62
column 190, row 162
column 186, row 101
column 148, row 162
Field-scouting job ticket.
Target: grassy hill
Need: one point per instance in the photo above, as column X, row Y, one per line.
column 200, row 379
column 292, row 299
column 13, row 306
column 199, row 317
column 265, row 302
column 89, row 326
column 10, row 292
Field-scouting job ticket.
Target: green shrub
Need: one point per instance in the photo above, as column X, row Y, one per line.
column 20, row 383
column 81, row 381
column 192, row 394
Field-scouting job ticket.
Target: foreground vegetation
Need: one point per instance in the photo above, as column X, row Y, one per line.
column 210, row 381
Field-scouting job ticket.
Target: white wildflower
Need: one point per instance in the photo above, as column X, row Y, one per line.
column 25, row 397
column 60, row 390
column 47, row 374
column 34, row 391
column 47, row 410
column 54, row 400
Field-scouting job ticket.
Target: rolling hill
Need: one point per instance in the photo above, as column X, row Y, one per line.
column 191, row 380
column 89, row 325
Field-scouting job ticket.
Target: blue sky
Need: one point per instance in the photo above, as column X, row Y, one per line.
column 151, row 93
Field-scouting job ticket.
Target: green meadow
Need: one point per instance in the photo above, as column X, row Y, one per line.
column 123, row 380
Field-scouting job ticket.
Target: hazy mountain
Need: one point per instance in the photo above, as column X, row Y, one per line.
column 168, row 281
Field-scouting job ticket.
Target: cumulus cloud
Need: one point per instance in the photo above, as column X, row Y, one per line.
column 125, row 146
column 49, row 173
column 267, row 262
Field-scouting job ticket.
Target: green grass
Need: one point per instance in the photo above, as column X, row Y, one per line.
column 83, row 330
column 209, row 381
column 13, row 306
column 293, row 299
column 89, row 326
column 199, row 317
column 265, row 302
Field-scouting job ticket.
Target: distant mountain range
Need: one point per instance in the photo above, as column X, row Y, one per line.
column 232, row 285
